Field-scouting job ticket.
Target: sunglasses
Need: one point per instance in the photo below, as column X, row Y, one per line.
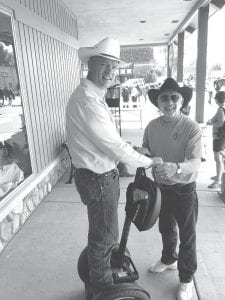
column 173, row 97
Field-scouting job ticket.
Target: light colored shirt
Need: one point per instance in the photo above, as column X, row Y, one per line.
column 93, row 140
column 176, row 142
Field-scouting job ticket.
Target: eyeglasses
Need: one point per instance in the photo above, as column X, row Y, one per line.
column 108, row 66
column 173, row 97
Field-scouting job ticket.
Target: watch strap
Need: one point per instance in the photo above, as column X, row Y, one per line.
column 178, row 168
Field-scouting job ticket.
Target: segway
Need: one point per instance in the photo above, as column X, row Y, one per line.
column 143, row 203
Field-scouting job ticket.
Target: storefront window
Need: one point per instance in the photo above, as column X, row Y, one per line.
column 15, row 165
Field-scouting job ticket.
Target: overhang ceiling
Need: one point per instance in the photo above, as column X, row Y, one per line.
column 133, row 22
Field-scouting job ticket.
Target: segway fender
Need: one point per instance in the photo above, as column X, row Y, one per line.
column 123, row 291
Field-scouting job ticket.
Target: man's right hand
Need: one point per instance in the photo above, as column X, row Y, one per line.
column 156, row 161
column 142, row 150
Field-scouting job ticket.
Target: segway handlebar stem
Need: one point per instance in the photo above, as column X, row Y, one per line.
column 127, row 223
column 123, row 241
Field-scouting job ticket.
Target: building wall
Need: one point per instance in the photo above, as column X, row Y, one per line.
column 47, row 69
column 45, row 37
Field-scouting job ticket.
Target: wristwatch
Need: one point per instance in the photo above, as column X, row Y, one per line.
column 178, row 169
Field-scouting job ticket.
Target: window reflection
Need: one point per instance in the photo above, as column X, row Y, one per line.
column 15, row 163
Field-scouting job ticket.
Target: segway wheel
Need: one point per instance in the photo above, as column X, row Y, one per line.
column 82, row 266
column 123, row 291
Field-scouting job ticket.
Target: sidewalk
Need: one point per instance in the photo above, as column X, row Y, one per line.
column 40, row 261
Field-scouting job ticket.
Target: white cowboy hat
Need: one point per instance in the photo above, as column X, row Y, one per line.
column 108, row 48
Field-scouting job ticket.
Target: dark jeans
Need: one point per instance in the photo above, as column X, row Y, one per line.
column 179, row 207
column 100, row 192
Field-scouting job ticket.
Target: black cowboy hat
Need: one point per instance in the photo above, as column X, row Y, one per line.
column 171, row 85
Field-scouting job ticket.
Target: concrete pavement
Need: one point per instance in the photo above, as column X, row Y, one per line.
column 39, row 263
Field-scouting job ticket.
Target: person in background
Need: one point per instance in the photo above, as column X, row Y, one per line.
column 134, row 94
column 125, row 94
column 96, row 148
column 210, row 89
column 177, row 139
column 218, row 143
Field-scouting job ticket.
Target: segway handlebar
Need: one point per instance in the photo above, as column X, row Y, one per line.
column 144, row 151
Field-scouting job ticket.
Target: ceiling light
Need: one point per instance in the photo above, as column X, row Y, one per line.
column 167, row 34
column 142, row 21
column 141, row 39
column 175, row 21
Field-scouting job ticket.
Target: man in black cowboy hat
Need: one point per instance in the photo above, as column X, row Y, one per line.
column 96, row 148
column 177, row 139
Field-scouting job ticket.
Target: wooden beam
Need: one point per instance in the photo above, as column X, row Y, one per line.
column 203, row 16
column 180, row 57
column 169, row 69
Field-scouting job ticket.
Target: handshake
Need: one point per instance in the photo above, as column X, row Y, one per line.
column 145, row 151
column 162, row 170
column 156, row 161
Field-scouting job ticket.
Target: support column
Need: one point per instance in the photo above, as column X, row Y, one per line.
column 203, row 15
column 169, row 70
column 180, row 57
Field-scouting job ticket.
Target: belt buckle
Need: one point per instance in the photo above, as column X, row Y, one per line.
column 108, row 173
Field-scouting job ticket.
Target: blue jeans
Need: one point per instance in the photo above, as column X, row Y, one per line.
column 179, row 207
column 100, row 192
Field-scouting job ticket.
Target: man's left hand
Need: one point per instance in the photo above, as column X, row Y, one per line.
column 165, row 170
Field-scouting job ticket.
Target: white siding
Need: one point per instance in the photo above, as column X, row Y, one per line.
column 49, row 71
column 55, row 12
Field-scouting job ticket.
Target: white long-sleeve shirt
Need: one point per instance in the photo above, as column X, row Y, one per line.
column 92, row 137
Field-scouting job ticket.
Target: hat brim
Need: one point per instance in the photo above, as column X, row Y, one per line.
column 153, row 95
column 85, row 53
column 187, row 94
column 185, row 91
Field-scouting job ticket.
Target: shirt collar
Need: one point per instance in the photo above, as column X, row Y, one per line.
column 87, row 84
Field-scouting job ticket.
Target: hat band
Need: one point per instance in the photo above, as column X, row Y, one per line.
column 108, row 55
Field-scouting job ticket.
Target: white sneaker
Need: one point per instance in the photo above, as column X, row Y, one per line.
column 214, row 185
column 185, row 291
column 160, row 267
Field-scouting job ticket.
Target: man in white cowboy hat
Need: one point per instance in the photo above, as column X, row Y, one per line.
column 96, row 148
column 177, row 139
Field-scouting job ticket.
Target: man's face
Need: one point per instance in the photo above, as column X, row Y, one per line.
column 102, row 71
column 170, row 103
